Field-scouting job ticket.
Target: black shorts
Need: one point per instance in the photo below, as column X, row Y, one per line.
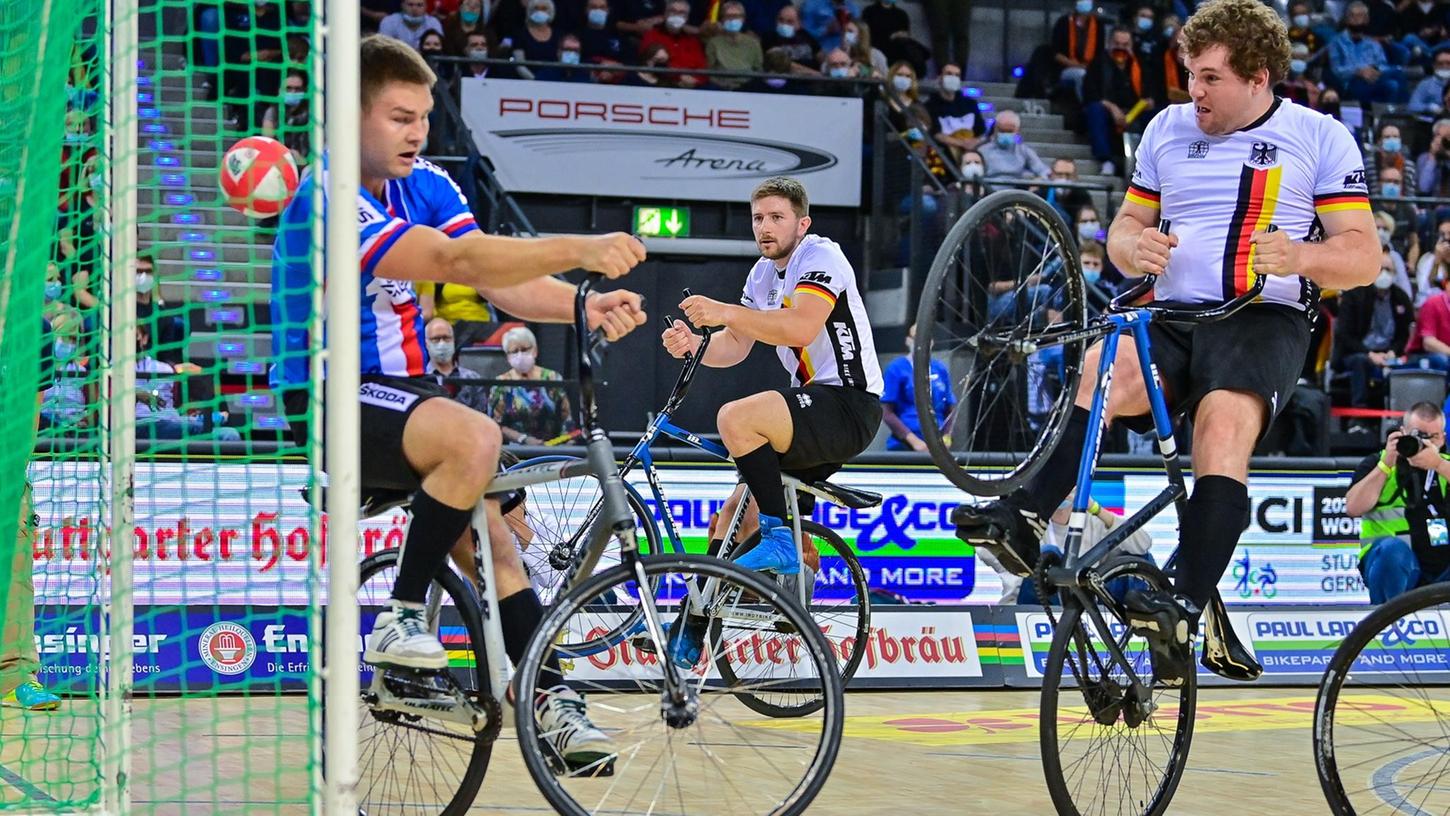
column 833, row 423
column 387, row 402
column 1260, row 349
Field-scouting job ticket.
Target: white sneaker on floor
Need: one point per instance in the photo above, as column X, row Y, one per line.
column 400, row 637
column 566, row 730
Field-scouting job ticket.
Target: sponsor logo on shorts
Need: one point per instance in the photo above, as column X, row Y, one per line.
column 804, row 400
column 227, row 648
column 393, row 399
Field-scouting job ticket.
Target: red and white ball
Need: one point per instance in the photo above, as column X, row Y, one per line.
column 258, row 177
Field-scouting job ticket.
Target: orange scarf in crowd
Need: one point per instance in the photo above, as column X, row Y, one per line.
column 712, row 11
column 1091, row 49
column 1172, row 79
column 1135, row 73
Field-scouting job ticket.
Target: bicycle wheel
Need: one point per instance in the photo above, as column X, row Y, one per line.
column 701, row 755
column 408, row 764
column 1105, row 747
column 553, row 525
column 1006, row 272
column 841, row 609
column 1382, row 719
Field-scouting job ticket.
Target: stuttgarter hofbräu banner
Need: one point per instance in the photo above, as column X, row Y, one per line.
column 611, row 140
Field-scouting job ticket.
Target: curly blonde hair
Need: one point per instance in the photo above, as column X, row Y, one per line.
column 1255, row 37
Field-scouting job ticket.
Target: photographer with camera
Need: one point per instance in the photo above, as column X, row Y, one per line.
column 1400, row 497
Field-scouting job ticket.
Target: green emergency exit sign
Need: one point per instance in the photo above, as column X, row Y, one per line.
column 662, row 222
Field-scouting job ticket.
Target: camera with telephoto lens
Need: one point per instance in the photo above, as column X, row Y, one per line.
column 1411, row 443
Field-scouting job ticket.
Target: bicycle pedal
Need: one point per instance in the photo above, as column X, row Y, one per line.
column 643, row 643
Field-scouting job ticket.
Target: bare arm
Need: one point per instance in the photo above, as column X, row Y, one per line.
column 1435, row 345
column 796, row 326
column 1134, row 243
column 1349, row 255
column 489, row 261
column 1364, row 494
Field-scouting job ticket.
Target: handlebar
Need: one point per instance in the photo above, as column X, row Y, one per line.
column 1178, row 313
column 692, row 364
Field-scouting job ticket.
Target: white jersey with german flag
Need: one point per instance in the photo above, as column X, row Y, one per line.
column 844, row 352
column 1213, row 192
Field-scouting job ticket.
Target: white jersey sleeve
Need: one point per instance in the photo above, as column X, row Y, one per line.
column 1144, row 188
column 1339, row 185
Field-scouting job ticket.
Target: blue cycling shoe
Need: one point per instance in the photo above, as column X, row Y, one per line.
column 776, row 551
column 687, row 640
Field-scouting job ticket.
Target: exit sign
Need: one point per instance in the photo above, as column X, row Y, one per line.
column 662, row 222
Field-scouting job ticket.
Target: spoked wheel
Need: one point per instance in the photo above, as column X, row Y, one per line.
column 700, row 750
column 1006, row 273
column 552, row 526
column 413, row 764
column 840, row 605
column 1382, row 720
column 1107, row 746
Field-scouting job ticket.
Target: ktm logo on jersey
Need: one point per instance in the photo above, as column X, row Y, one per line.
column 1264, row 154
column 846, row 340
column 816, row 277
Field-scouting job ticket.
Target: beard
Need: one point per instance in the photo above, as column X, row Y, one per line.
column 782, row 250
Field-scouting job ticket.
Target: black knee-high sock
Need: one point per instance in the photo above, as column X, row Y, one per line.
column 1056, row 479
column 431, row 535
column 1217, row 513
column 761, row 470
column 519, row 616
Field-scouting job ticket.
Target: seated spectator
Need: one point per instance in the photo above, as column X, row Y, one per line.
column 685, row 50
column 164, row 325
column 1301, row 30
column 443, row 364
column 1423, row 24
column 904, row 109
column 1006, row 154
column 1389, row 151
column 655, row 56
column 477, row 48
column 1392, row 187
column 1384, row 28
column 538, row 40
column 1329, row 103
column 158, row 400
column 797, row 42
column 1163, row 67
column 464, row 308
column 1433, row 268
column 885, row 19
column 838, row 65
column 410, row 23
column 826, row 19
column 1371, row 332
column 468, row 19
column 734, row 48
column 974, row 168
column 1358, row 62
column 956, row 119
column 570, row 53
column 856, row 39
column 1385, row 227
column 1077, row 40
column 1402, row 545
column 431, row 43
column 56, row 308
column 528, row 414
column 292, row 120
column 1067, row 200
column 1296, row 86
column 898, row 400
column 1429, row 95
column 69, row 401
column 1143, row 25
column 374, row 12
column 1094, row 258
column 1116, row 98
column 600, row 40
column 1432, row 168
column 1429, row 345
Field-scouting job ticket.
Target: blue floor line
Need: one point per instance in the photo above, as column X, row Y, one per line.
column 23, row 785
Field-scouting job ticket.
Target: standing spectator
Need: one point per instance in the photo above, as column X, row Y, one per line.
column 1428, row 98
column 1077, row 39
column 826, row 19
column 734, row 48
column 253, row 47
column 798, row 42
column 1432, row 168
column 1296, row 86
column 1429, row 344
column 528, row 414
column 538, row 41
column 1389, row 152
column 898, row 399
column 1372, row 330
column 1358, row 62
column 856, row 39
column 1067, row 200
column 1433, row 269
column 949, row 22
column 1113, row 89
column 410, row 23
column 685, row 49
column 456, row 28
column 956, row 118
column 885, row 19
column 1006, row 155
column 464, row 308
column 443, row 363
column 1163, row 66
column 1301, row 29
column 599, row 40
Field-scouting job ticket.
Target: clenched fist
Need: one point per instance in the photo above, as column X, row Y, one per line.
column 680, row 341
column 1274, row 253
column 1150, row 255
column 613, row 254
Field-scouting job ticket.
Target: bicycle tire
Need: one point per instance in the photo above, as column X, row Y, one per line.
column 462, row 597
column 858, row 633
column 932, row 331
column 1326, row 760
column 702, row 567
column 1069, row 636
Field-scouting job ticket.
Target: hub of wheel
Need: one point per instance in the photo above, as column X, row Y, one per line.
column 681, row 709
column 1137, row 705
column 1105, row 700
column 560, row 555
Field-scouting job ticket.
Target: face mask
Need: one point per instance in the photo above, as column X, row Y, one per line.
column 598, row 17
column 913, row 134
column 469, row 17
column 97, row 181
column 569, row 57
column 839, row 71
column 951, row 83
column 785, row 30
column 850, row 38
column 540, row 17
column 1301, row 21
column 1145, row 23
column 1297, row 66
column 734, row 25
column 1087, row 229
column 1442, row 74
column 674, row 22
column 145, row 282
column 522, row 361
column 1006, row 140
column 901, row 82
column 292, row 98
column 1385, row 280
column 1426, row 5
column 414, row 19
column 1084, row 6
column 74, row 137
column 478, row 54
column 1391, row 144
column 1357, row 29
column 52, row 290
column 1092, row 274
column 1168, row 31
column 441, row 350
column 1390, row 189
column 63, row 349
column 1384, row 236
column 973, row 170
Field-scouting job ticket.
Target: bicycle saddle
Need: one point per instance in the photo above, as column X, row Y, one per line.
column 848, row 496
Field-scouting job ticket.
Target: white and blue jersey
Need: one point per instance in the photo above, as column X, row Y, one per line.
column 392, row 324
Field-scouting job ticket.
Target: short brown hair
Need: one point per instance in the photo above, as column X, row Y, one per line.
column 1252, row 32
column 384, row 60
column 1092, row 248
column 788, row 189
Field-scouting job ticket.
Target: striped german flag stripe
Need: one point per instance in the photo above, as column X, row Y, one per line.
column 1144, row 196
column 804, row 371
column 1258, row 195
column 1340, row 202
column 808, row 288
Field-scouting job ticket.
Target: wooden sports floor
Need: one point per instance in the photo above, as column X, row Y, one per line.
column 904, row 753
